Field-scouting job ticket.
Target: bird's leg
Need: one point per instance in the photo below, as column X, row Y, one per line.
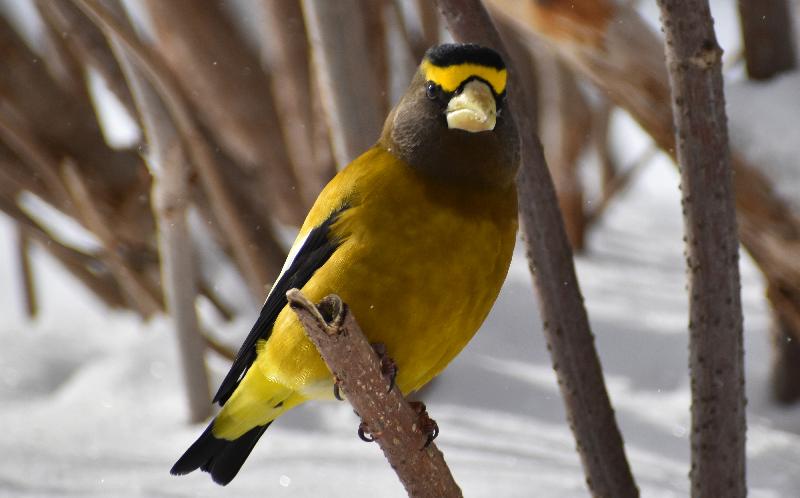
column 427, row 425
column 388, row 366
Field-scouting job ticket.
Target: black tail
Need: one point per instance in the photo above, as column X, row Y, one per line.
column 219, row 457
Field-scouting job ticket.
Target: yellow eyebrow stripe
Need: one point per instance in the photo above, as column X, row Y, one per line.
column 451, row 77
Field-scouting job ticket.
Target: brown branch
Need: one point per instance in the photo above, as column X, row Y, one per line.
column 375, row 32
column 87, row 43
column 429, row 24
column 60, row 59
column 601, row 126
column 566, row 324
column 618, row 183
column 768, row 38
column 66, row 124
column 171, row 199
column 768, row 51
column 250, row 262
column 217, row 347
column 225, row 82
column 210, row 293
column 28, row 283
column 716, row 353
column 614, row 47
column 285, row 46
column 347, row 85
column 565, row 128
column 86, row 268
column 19, row 137
column 392, row 422
column 786, row 346
column 143, row 294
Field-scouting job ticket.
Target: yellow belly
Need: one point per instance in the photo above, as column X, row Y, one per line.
column 420, row 267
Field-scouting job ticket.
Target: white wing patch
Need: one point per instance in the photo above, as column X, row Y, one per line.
column 298, row 244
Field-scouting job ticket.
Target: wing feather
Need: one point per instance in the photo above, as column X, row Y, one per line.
column 316, row 249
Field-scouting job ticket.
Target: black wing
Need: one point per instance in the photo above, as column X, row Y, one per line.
column 316, row 249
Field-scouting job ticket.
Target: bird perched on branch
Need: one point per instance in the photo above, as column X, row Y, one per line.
column 415, row 235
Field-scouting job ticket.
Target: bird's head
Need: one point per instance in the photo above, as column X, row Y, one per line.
column 452, row 122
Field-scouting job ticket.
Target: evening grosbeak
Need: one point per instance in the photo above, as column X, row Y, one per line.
column 415, row 235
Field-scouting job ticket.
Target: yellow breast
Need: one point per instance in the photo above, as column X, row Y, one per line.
column 420, row 266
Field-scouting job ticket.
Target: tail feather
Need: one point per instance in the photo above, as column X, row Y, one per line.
column 219, row 457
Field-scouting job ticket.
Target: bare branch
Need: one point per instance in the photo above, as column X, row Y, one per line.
column 716, row 353
column 231, row 92
column 391, row 421
column 768, row 37
column 88, row 43
column 348, row 86
column 18, row 137
column 143, row 294
column 618, row 183
column 86, row 268
column 565, row 128
column 285, row 46
column 171, row 197
column 24, row 257
column 613, row 46
column 566, row 324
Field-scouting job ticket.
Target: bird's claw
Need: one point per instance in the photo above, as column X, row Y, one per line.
column 427, row 425
column 388, row 366
column 364, row 433
column 336, row 392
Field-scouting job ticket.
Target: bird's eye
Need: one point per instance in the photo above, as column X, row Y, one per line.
column 431, row 90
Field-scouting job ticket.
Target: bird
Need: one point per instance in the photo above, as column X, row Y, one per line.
column 415, row 235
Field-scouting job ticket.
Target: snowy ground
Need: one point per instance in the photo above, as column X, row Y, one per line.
column 92, row 405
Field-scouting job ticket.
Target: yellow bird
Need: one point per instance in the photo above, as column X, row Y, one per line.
column 415, row 235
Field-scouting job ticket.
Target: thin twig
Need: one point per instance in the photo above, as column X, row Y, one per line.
column 24, row 257
column 142, row 294
column 89, row 269
column 88, row 44
column 619, row 182
column 217, row 347
column 387, row 415
column 208, row 291
column 18, row 136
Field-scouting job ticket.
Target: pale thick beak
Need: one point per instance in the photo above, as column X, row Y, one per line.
column 472, row 110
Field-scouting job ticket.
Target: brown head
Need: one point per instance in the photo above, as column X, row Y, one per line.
column 452, row 123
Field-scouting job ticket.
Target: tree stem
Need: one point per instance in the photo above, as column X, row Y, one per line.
column 716, row 353
column 391, row 420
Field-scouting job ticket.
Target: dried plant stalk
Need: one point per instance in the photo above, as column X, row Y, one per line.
column 171, row 199
column 201, row 156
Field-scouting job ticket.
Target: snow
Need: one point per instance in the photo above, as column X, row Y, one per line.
column 763, row 119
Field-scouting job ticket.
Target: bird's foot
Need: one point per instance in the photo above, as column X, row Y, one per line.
column 365, row 434
column 427, row 425
column 388, row 366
